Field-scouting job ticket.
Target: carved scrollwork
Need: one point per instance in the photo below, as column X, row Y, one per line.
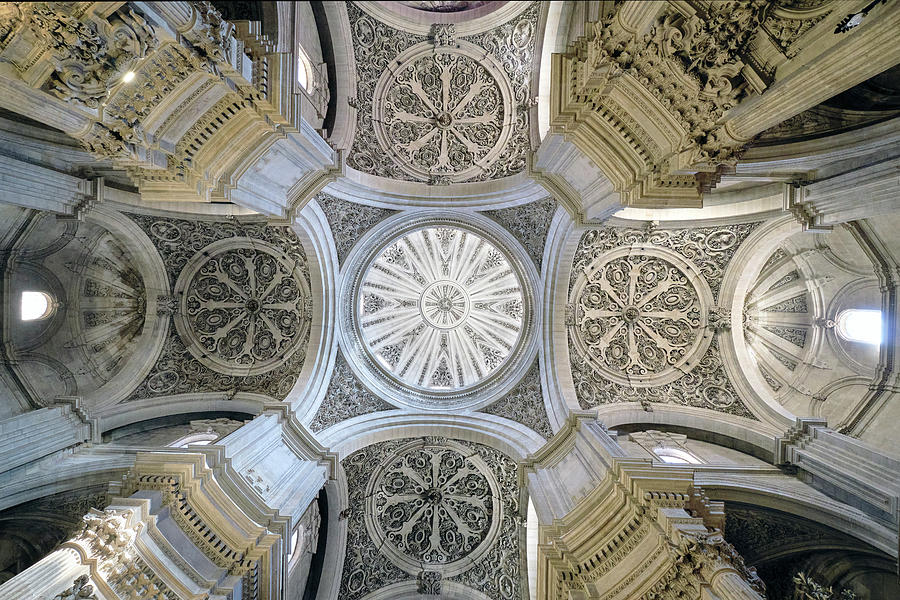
column 639, row 315
column 243, row 307
column 88, row 60
column 666, row 279
column 441, row 107
column 434, row 505
column 443, row 113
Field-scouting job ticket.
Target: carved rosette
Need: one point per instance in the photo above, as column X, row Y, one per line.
column 639, row 315
column 243, row 306
column 445, row 113
column 433, row 506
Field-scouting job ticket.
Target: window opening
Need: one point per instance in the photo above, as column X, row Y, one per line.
column 674, row 456
column 304, row 70
column 858, row 325
column 36, row 306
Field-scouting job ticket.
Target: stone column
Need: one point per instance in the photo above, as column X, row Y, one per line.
column 215, row 520
column 728, row 584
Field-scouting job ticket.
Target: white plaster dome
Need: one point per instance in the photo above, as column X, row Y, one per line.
column 439, row 308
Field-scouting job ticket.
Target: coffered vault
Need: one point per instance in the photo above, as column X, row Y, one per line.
column 467, row 300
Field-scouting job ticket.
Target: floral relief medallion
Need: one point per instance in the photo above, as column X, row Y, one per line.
column 243, row 305
column 440, row 308
column 639, row 315
column 445, row 113
column 433, row 506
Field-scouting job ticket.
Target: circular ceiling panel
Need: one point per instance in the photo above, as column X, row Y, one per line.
column 440, row 308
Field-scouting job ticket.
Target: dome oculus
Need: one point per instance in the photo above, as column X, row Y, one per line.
column 440, row 309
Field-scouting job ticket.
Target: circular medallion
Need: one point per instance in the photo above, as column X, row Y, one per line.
column 440, row 308
column 639, row 315
column 242, row 306
column 431, row 505
column 445, row 113
column 444, row 304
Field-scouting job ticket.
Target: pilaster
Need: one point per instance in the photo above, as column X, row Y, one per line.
column 844, row 468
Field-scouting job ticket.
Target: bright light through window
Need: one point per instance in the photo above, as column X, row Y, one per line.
column 36, row 305
column 304, row 70
column 673, row 460
column 859, row 325
column 674, row 456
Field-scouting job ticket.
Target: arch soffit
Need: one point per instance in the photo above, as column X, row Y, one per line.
column 315, row 235
column 166, row 406
column 511, row 438
column 156, row 283
column 737, row 281
column 817, row 508
column 759, row 436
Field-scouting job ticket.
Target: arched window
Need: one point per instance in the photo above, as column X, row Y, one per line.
column 673, row 456
column 859, row 325
column 36, row 306
column 305, row 73
column 195, row 439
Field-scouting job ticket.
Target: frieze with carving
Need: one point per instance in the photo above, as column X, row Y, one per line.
column 260, row 275
column 443, row 108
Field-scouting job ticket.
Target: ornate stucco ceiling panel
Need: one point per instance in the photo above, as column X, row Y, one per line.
column 525, row 404
column 349, row 220
column 443, row 109
column 346, row 398
column 242, row 311
column 642, row 317
column 529, row 223
column 431, row 510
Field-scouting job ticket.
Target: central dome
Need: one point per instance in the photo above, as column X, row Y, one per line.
column 440, row 308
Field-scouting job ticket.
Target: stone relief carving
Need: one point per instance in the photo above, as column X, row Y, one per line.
column 446, row 112
column 87, row 61
column 708, row 248
column 638, row 328
column 80, row 589
column 349, row 221
column 110, row 541
column 797, row 304
column 433, row 504
column 367, row 567
column 525, row 404
column 638, row 315
column 529, row 223
column 242, row 307
column 279, row 267
column 346, row 398
column 795, row 335
column 787, row 23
